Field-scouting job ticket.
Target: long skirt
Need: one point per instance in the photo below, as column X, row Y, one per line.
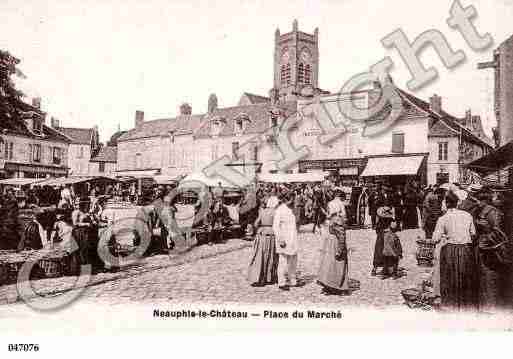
column 378, row 248
column 410, row 218
column 81, row 235
column 263, row 264
column 333, row 274
column 459, row 277
column 489, row 287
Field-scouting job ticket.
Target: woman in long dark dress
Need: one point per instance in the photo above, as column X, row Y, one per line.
column 263, row 263
column 398, row 204
column 410, row 216
column 384, row 217
column 333, row 270
column 81, row 230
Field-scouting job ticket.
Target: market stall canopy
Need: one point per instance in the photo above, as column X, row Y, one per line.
column 393, row 166
column 194, row 180
column 291, row 177
column 494, row 161
column 18, row 182
column 138, row 173
column 167, row 180
column 62, row 181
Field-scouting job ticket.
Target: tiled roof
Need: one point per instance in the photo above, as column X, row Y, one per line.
column 181, row 124
column 18, row 126
column 258, row 114
column 54, row 135
column 254, row 99
column 106, row 154
column 200, row 125
column 447, row 119
column 80, row 136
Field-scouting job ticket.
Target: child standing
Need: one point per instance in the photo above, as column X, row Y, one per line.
column 392, row 252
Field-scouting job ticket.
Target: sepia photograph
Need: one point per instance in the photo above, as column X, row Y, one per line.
column 251, row 165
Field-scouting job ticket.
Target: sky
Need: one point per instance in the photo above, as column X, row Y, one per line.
column 97, row 62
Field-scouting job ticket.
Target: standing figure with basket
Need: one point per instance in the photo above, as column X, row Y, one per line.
column 334, row 268
column 384, row 215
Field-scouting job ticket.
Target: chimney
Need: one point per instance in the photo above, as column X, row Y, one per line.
column 435, row 103
column 54, row 122
column 36, row 102
column 185, row 109
column 212, row 103
column 139, row 118
column 475, row 123
column 468, row 118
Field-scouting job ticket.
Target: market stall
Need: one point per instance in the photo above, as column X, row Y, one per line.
column 81, row 184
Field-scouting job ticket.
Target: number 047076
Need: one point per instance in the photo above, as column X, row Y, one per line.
column 23, row 347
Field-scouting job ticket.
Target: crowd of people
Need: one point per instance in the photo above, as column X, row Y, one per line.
column 472, row 266
column 472, row 257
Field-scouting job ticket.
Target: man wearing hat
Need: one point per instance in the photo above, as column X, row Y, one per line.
column 385, row 216
column 285, row 230
column 432, row 211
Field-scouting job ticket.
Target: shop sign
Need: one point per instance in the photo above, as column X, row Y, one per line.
column 353, row 163
column 348, row 171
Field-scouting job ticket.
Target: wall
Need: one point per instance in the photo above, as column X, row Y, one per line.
column 79, row 156
column 456, row 172
column 110, row 169
column 353, row 143
column 505, row 95
column 22, row 155
column 151, row 151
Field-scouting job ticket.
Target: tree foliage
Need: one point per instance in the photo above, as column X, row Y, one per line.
column 10, row 97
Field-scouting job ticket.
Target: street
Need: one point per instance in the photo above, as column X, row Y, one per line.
column 217, row 274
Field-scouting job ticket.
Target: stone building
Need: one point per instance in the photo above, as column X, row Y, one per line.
column 104, row 163
column 502, row 64
column 29, row 148
column 425, row 143
column 85, row 144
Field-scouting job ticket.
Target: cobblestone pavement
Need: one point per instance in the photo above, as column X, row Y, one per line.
column 217, row 274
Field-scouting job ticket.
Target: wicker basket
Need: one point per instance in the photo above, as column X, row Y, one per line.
column 51, row 267
column 425, row 252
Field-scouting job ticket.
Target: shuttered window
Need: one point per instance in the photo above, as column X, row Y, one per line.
column 398, row 143
column 443, row 151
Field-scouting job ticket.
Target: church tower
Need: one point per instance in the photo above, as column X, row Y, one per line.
column 296, row 63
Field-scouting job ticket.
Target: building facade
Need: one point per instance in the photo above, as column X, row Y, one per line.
column 84, row 145
column 502, row 64
column 29, row 148
column 424, row 142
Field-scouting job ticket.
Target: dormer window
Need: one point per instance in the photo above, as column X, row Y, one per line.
column 239, row 127
column 217, row 126
column 240, row 124
column 37, row 126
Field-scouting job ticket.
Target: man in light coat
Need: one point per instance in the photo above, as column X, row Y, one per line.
column 285, row 230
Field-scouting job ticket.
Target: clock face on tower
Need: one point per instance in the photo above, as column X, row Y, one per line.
column 305, row 56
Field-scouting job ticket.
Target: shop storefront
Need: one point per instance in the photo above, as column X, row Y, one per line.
column 16, row 170
column 396, row 170
column 343, row 171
